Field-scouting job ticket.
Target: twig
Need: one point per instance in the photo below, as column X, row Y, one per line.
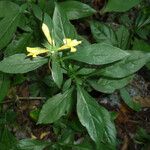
column 22, row 99
column 125, row 143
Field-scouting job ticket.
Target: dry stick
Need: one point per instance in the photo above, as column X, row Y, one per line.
column 23, row 99
column 125, row 143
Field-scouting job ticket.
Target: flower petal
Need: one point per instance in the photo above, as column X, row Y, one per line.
column 73, row 49
column 47, row 33
column 34, row 51
column 75, row 42
column 64, row 47
column 67, row 41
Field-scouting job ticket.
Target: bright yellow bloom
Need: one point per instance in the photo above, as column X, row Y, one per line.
column 33, row 137
column 34, row 51
column 47, row 33
column 68, row 43
column 44, row 134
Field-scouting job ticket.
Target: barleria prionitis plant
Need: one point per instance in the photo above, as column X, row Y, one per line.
column 74, row 67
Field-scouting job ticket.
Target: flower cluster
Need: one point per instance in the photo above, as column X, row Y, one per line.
column 68, row 44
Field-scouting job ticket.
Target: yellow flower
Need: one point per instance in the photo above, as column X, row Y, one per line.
column 44, row 134
column 33, row 137
column 68, row 43
column 34, row 51
column 47, row 33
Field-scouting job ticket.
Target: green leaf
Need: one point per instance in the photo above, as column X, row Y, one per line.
column 62, row 27
column 141, row 45
column 7, row 8
column 143, row 32
column 129, row 65
column 67, row 84
column 98, row 54
column 7, row 140
column 148, row 66
column 56, row 107
column 34, row 114
column 120, row 5
column 77, row 10
column 7, row 28
column 67, row 137
column 128, row 100
column 4, row 86
column 37, row 11
column 10, row 13
column 29, row 144
column 85, row 71
column 103, row 33
column 8, row 117
column 57, row 74
column 142, row 137
column 19, row 63
column 109, row 85
column 122, row 37
column 47, row 6
column 18, row 46
column 142, row 20
column 96, row 119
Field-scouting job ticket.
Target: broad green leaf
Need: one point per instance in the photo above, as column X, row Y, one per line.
column 148, row 66
column 7, row 8
column 56, row 107
column 96, row 119
column 30, row 144
column 8, row 26
column 57, row 74
column 103, row 33
column 141, row 45
column 99, row 54
column 47, row 6
column 122, row 34
column 76, row 10
column 4, row 86
column 37, row 11
column 129, row 65
column 23, row 23
column 120, row 5
column 67, row 84
column 128, row 100
column 19, row 63
column 18, row 46
column 62, row 27
column 10, row 14
column 109, row 85
column 85, row 71
column 67, row 137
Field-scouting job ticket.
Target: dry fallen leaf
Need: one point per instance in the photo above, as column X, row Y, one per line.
column 123, row 114
column 125, row 143
column 144, row 101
